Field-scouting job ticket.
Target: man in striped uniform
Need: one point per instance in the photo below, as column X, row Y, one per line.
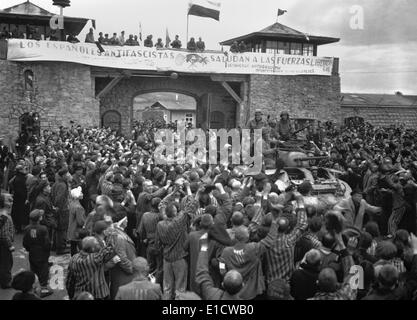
column 280, row 256
column 6, row 241
column 171, row 235
column 86, row 270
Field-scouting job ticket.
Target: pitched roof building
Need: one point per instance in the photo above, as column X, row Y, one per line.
column 380, row 109
column 281, row 39
column 29, row 14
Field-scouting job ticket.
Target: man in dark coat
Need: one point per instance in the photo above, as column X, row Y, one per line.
column 143, row 204
column 4, row 152
column 387, row 287
column 193, row 244
column 36, row 242
column 60, row 196
column 20, row 208
column 147, row 233
column 148, row 42
column 304, row 280
column 192, row 46
column 43, row 202
column 201, row 46
column 232, row 281
column 6, row 242
column 176, row 44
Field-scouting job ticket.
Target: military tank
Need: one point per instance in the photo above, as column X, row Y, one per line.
column 296, row 162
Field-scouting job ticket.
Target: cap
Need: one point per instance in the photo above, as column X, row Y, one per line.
column 258, row 111
column 36, row 214
column 24, row 281
column 100, row 226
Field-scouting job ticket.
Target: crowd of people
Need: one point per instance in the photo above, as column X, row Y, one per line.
column 34, row 33
column 137, row 230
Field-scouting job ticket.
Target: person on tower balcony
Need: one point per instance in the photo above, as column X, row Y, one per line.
column 201, row 46
column 192, row 46
column 176, row 44
column 114, row 41
column 89, row 38
column 148, row 42
column 234, row 48
column 130, row 41
column 37, row 35
column 242, row 47
column 72, row 38
column 122, row 38
column 101, row 38
column 135, row 41
column 159, row 44
column 106, row 40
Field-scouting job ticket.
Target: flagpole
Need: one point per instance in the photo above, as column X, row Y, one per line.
column 188, row 22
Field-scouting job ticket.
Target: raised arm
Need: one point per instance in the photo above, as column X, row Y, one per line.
column 225, row 210
column 347, row 263
column 203, row 279
column 301, row 225
column 165, row 201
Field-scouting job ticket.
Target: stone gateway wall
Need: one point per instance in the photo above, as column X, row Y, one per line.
column 312, row 97
column 61, row 92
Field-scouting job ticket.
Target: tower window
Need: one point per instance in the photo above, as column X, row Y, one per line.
column 28, row 80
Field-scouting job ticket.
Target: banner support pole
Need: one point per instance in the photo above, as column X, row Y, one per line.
column 188, row 23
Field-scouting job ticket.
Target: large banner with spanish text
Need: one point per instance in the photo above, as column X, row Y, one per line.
column 152, row 59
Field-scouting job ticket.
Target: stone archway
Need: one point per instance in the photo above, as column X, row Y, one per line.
column 122, row 95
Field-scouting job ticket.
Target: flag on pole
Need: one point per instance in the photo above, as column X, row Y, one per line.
column 281, row 12
column 167, row 39
column 205, row 8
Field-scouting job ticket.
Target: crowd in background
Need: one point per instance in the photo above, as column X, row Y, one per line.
column 35, row 33
column 141, row 231
column 121, row 39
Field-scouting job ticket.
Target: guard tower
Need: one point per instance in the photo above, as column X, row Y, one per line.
column 280, row 39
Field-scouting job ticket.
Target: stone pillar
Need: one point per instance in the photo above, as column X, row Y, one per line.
column 241, row 114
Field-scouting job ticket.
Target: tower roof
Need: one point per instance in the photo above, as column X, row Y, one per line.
column 31, row 14
column 27, row 8
column 278, row 31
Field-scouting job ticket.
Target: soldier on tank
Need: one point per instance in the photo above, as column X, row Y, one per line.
column 257, row 122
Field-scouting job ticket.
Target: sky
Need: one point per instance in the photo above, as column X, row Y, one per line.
column 379, row 57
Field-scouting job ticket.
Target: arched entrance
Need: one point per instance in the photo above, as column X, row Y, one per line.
column 168, row 106
column 112, row 119
column 210, row 95
column 29, row 124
